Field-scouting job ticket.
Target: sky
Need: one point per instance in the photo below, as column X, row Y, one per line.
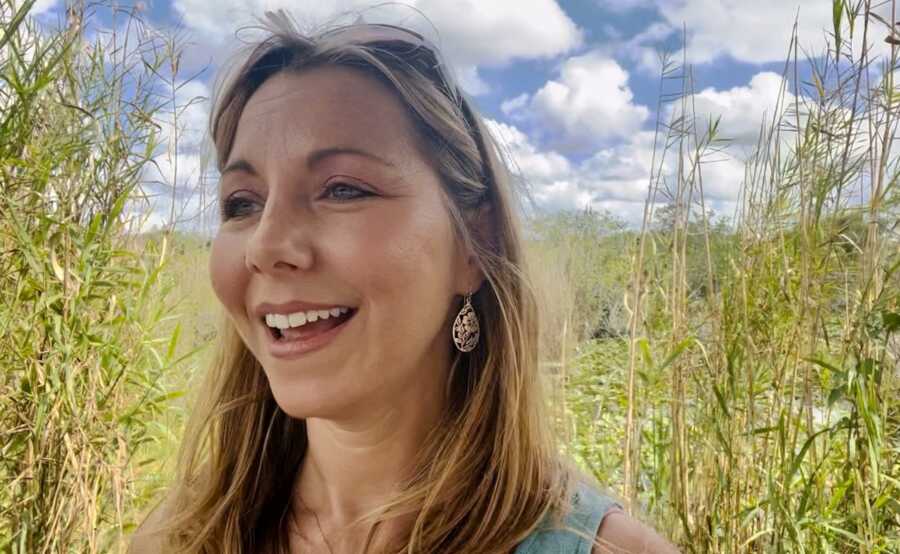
column 570, row 88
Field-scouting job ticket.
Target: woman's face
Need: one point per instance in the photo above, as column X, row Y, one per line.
column 329, row 204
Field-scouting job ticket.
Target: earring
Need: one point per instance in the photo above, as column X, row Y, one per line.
column 465, row 328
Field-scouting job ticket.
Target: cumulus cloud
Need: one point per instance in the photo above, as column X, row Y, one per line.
column 643, row 48
column 552, row 181
column 515, row 30
column 470, row 80
column 589, row 104
column 166, row 171
column 722, row 180
column 615, row 178
column 753, row 32
column 176, row 173
column 538, row 166
column 40, row 7
column 743, row 108
column 513, row 106
column 621, row 172
column 175, row 183
column 191, row 113
column 619, row 6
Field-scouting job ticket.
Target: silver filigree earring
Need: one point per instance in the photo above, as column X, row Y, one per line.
column 465, row 328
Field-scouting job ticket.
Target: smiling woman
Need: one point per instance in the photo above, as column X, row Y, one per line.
column 377, row 387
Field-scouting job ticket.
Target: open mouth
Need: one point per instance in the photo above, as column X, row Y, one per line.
column 309, row 329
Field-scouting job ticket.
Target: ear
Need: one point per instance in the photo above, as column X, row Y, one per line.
column 482, row 230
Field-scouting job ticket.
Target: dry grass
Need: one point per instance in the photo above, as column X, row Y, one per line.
column 736, row 384
column 756, row 391
column 88, row 366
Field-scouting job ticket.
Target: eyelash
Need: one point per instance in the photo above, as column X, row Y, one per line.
column 232, row 205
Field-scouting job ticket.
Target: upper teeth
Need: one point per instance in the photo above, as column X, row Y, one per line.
column 285, row 321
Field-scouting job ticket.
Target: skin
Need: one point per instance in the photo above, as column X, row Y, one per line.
column 372, row 395
column 621, row 534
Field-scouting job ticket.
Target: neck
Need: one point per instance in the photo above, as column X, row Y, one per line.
column 353, row 466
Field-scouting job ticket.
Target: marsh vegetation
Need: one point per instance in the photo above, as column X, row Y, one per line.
column 734, row 380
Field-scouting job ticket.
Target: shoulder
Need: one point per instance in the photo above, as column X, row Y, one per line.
column 620, row 533
column 616, row 531
column 594, row 513
column 147, row 539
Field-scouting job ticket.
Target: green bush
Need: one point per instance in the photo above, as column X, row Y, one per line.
column 85, row 367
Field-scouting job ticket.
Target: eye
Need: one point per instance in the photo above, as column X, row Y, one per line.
column 345, row 191
column 235, row 206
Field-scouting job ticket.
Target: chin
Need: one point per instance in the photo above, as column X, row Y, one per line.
column 309, row 404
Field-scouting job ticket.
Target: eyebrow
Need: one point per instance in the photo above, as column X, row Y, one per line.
column 311, row 160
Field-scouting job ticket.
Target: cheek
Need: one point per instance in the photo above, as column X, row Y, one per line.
column 408, row 248
column 403, row 264
column 227, row 271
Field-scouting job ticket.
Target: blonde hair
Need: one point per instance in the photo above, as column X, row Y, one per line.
column 491, row 472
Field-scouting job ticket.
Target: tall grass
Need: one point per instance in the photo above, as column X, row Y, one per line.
column 87, row 356
column 735, row 382
column 753, row 404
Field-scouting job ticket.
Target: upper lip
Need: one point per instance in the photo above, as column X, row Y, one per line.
column 292, row 307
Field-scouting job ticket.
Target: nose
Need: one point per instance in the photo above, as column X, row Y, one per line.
column 281, row 241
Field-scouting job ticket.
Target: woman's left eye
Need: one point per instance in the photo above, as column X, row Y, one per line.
column 345, row 191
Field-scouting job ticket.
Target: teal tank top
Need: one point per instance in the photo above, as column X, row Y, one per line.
column 588, row 510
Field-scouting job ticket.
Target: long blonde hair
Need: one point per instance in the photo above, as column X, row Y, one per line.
column 491, row 472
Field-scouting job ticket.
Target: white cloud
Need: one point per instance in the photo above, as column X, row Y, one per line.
column 38, row 8
column 42, row 6
column 509, row 107
column 563, row 195
column 621, row 172
column 540, row 167
column 722, row 181
column 588, row 105
column 745, row 110
column 643, row 48
column 551, row 179
column 192, row 113
column 620, row 6
column 177, row 169
column 470, row 34
column 496, row 32
column 742, row 109
column 616, row 178
column 182, row 170
column 177, row 179
column 754, row 32
column 469, row 79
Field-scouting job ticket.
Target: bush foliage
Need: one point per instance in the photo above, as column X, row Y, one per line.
column 735, row 381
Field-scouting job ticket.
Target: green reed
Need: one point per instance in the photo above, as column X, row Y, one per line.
column 87, row 354
column 752, row 401
column 735, row 382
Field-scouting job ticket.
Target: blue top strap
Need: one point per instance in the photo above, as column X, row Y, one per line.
column 589, row 507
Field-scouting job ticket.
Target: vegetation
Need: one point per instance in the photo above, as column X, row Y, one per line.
column 734, row 381
column 88, row 342
column 756, row 390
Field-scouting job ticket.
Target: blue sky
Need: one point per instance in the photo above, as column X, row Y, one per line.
column 570, row 87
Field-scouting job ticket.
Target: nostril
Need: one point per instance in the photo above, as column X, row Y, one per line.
column 264, row 264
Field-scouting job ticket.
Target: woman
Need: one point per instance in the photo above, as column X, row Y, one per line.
column 377, row 385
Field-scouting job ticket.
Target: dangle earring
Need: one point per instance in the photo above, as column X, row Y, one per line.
column 465, row 328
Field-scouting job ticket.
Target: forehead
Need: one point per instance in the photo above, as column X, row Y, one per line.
column 295, row 113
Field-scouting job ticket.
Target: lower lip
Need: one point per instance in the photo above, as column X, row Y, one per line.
column 296, row 348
